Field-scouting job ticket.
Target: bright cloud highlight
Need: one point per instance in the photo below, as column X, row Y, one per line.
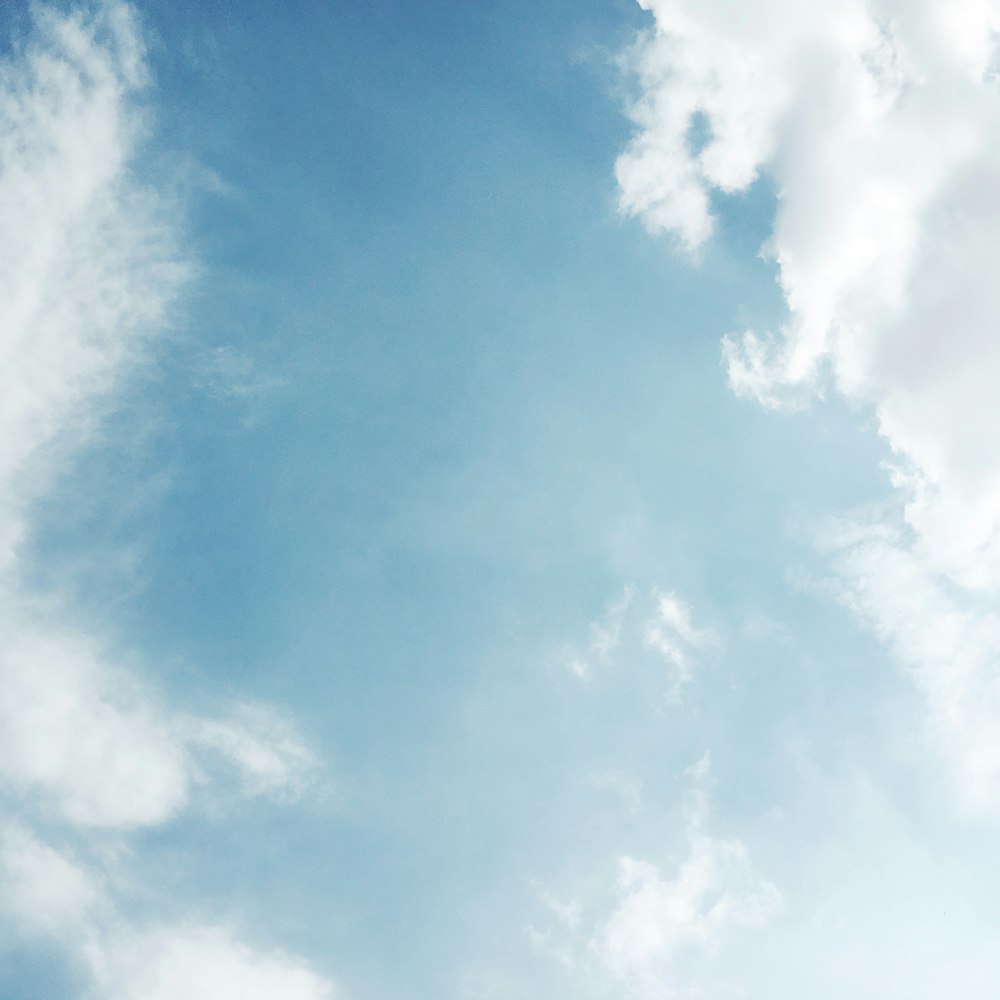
column 879, row 123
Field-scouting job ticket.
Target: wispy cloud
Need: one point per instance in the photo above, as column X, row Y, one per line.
column 948, row 638
column 51, row 893
column 90, row 265
column 232, row 376
column 655, row 628
column 91, row 742
column 670, row 631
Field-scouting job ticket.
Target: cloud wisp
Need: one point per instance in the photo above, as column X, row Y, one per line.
column 879, row 124
column 657, row 628
column 90, row 265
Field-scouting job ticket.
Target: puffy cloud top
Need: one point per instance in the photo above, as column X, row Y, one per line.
column 880, row 124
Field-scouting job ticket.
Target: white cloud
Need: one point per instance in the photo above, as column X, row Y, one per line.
column 268, row 751
column 87, row 274
column 88, row 264
column 879, row 123
column 89, row 267
column 947, row 639
column 200, row 963
column 635, row 626
column 47, row 892
column 714, row 889
column 694, row 66
column 658, row 919
column 637, row 945
column 84, row 736
column 100, row 748
column 671, row 632
column 43, row 890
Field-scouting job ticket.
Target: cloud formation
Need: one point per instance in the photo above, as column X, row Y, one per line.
column 715, row 889
column 947, row 638
column 89, row 267
column 96, row 745
column 879, row 123
column 48, row 892
column 655, row 920
column 88, row 264
column 657, row 628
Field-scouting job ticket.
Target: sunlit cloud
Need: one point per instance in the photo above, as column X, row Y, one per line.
column 90, row 267
column 880, row 128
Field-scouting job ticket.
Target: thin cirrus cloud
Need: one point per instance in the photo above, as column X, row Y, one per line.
column 880, row 126
column 89, row 268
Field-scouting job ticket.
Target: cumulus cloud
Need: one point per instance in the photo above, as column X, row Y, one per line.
column 879, row 123
column 89, row 268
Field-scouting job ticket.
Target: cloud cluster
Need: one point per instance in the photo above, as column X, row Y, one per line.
column 879, row 123
column 89, row 267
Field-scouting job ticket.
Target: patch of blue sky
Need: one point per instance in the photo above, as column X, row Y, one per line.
column 428, row 408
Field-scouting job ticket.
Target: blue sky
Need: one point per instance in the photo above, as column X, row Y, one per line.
column 499, row 501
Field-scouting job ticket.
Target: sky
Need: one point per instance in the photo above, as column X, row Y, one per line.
column 499, row 501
